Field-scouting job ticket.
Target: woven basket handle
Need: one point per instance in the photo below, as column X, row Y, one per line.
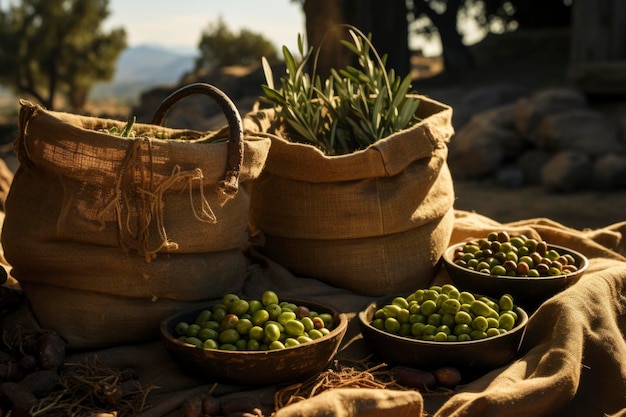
column 235, row 142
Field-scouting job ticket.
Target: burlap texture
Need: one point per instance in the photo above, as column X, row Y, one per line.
column 571, row 361
column 112, row 229
column 373, row 221
column 358, row 402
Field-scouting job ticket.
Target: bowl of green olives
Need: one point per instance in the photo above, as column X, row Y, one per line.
column 443, row 326
column 254, row 341
column 529, row 269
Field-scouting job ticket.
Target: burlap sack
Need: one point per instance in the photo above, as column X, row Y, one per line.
column 374, row 221
column 108, row 235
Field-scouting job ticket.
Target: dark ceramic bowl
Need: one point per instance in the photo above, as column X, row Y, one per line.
column 255, row 367
column 526, row 291
column 483, row 354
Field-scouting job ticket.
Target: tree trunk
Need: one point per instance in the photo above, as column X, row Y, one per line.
column 456, row 56
column 388, row 24
column 323, row 33
column 385, row 20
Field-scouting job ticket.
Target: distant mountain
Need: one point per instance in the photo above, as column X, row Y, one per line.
column 142, row 67
column 147, row 63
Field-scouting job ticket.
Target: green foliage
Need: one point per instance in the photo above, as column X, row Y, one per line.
column 220, row 47
column 57, row 47
column 126, row 132
column 351, row 109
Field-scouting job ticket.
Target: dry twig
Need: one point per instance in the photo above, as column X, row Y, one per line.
column 343, row 374
column 89, row 388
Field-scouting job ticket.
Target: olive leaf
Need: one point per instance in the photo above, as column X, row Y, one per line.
column 351, row 109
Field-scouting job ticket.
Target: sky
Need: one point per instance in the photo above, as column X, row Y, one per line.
column 178, row 24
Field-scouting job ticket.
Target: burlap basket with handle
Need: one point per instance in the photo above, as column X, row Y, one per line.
column 108, row 235
column 374, row 221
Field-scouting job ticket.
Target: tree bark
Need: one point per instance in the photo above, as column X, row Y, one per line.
column 323, row 34
column 385, row 20
column 456, row 56
column 388, row 24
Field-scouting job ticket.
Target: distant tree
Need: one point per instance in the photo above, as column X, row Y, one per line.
column 444, row 18
column 220, row 47
column 53, row 48
column 391, row 22
column 506, row 15
column 490, row 16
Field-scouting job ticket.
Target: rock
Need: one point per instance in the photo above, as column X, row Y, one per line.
column 609, row 171
column 530, row 111
column 580, row 129
column 510, row 175
column 482, row 145
column 485, row 98
column 567, row 171
column 531, row 163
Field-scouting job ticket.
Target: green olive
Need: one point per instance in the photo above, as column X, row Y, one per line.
column 286, row 316
column 451, row 306
column 181, row 329
column 210, row 344
column 315, row 334
column 498, row 270
column 506, row 321
column 276, row 344
column 229, row 336
column 256, row 333
column 504, row 256
column 269, row 297
column 204, row 315
column 400, row 302
column 462, row 318
column 294, row 328
column 239, row 307
column 229, row 299
column 205, row 334
column 193, row 330
column 253, row 344
column 392, row 325
column 428, row 307
column 243, row 326
column 272, row 332
column 194, row 341
column 417, row 329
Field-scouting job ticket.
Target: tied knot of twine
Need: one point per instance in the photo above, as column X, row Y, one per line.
column 149, row 205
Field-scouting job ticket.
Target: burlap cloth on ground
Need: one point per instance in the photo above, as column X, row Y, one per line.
column 572, row 360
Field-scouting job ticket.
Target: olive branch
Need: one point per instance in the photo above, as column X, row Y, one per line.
column 350, row 110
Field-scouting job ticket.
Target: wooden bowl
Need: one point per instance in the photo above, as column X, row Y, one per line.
column 255, row 367
column 481, row 354
column 526, row 291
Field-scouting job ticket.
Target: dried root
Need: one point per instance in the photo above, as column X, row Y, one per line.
column 361, row 374
column 344, row 374
column 90, row 387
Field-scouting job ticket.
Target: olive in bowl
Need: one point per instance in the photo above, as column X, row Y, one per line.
column 531, row 271
column 272, row 344
column 442, row 326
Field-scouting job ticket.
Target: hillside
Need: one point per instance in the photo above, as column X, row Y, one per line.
column 141, row 67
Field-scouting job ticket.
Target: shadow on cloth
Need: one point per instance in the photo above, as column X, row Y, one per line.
column 572, row 360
